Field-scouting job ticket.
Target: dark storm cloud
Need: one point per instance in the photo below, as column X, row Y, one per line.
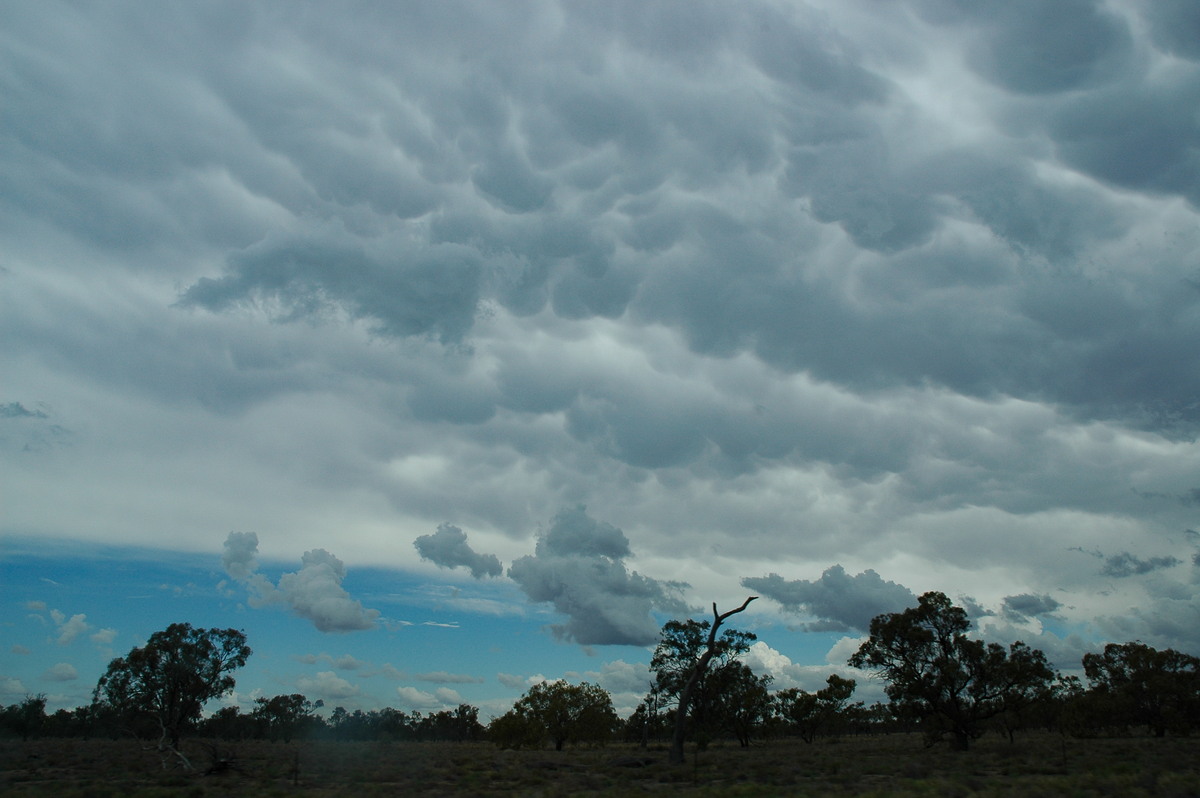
column 882, row 272
column 433, row 291
column 1125, row 564
column 464, row 185
column 1033, row 47
column 578, row 568
column 841, row 601
column 1175, row 25
column 448, row 548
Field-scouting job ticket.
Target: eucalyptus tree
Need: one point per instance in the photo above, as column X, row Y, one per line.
column 169, row 679
column 689, row 663
column 1140, row 685
column 951, row 683
column 558, row 712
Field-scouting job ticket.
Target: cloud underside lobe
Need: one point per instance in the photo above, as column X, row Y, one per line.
column 448, row 548
column 578, row 568
column 314, row 593
column 600, row 196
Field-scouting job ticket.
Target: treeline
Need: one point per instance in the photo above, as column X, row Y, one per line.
column 939, row 682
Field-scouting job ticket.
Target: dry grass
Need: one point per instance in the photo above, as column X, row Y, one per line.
column 868, row 766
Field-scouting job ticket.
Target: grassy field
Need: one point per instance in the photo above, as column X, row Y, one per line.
column 867, row 766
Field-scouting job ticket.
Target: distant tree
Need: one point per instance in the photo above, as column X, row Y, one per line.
column 949, row 682
column 741, row 702
column 169, row 679
column 681, row 666
column 811, row 714
column 455, row 725
column 228, row 723
column 26, row 719
column 1139, row 685
column 558, row 712
column 285, row 716
column 648, row 721
column 1028, row 685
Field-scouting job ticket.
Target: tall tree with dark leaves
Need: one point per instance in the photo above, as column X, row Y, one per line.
column 169, row 679
column 949, row 682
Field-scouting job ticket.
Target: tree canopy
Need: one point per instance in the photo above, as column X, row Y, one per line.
column 1140, row 685
column 169, row 679
column 559, row 712
column 951, row 683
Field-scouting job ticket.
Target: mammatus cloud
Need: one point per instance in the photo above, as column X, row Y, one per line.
column 578, row 567
column 448, row 548
column 314, row 592
column 913, row 280
column 841, row 602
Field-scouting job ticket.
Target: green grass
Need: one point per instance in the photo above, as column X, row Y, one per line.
column 895, row 765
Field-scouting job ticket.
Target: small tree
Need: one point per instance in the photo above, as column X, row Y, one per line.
column 681, row 666
column 936, row 674
column 169, row 679
column 559, row 712
column 25, row 719
column 285, row 715
column 810, row 714
column 741, row 703
column 459, row 725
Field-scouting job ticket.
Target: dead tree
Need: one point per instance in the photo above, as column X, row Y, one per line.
column 685, row 695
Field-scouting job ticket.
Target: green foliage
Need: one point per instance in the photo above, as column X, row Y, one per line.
column 456, row 725
column 740, row 703
column 169, row 679
column 810, row 714
column 26, row 719
column 558, row 712
column 949, row 682
column 681, row 645
column 285, row 716
column 1135, row 684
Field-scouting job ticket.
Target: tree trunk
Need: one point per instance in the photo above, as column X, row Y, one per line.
column 685, row 696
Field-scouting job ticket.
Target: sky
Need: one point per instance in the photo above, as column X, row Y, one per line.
column 446, row 347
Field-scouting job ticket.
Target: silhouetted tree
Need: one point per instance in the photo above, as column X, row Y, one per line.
column 740, row 703
column 810, row 714
column 171, row 677
column 936, row 674
column 559, row 712
column 26, row 719
column 681, row 666
column 285, row 716
column 1139, row 685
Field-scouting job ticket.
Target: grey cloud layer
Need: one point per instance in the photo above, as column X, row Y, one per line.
column 850, row 281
